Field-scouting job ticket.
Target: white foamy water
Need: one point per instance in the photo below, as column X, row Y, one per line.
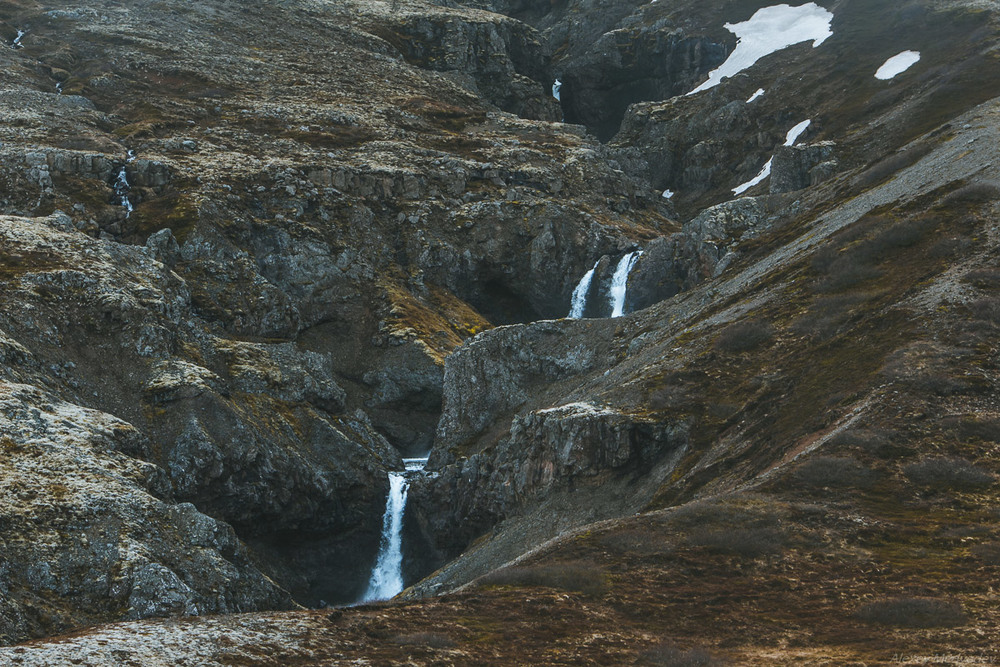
column 619, row 283
column 415, row 465
column 790, row 138
column 386, row 580
column 769, row 30
column 898, row 64
column 122, row 189
column 578, row 304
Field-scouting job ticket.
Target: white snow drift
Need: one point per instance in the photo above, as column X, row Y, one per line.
column 897, row 65
column 769, row 30
column 790, row 139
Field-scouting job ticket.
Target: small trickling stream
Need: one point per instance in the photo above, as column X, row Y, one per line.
column 122, row 187
column 387, row 576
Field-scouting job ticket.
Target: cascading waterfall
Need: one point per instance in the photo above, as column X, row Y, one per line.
column 387, row 576
column 619, row 283
column 122, row 186
column 578, row 304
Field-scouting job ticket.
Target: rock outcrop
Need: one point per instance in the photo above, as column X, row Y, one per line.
column 798, row 167
column 496, row 57
column 254, row 434
column 92, row 534
column 499, row 449
column 630, row 65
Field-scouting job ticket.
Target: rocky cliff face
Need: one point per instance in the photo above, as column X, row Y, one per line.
column 501, row 450
column 253, row 254
column 305, row 247
column 499, row 59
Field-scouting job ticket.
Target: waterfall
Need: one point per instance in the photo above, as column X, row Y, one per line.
column 122, row 187
column 619, row 283
column 579, row 302
column 387, row 576
column 16, row 44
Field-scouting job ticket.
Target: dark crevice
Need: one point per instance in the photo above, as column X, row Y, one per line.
column 624, row 69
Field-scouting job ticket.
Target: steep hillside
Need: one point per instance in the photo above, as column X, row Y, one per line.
column 300, row 249
column 253, row 254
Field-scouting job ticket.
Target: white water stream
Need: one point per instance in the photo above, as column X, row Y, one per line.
column 619, row 283
column 387, row 576
column 578, row 304
column 122, row 187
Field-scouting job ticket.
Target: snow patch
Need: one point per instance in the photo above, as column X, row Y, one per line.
column 790, row 139
column 796, row 132
column 760, row 91
column 764, row 173
column 769, row 30
column 897, row 65
column 668, row 194
column 556, row 87
column 579, row 408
